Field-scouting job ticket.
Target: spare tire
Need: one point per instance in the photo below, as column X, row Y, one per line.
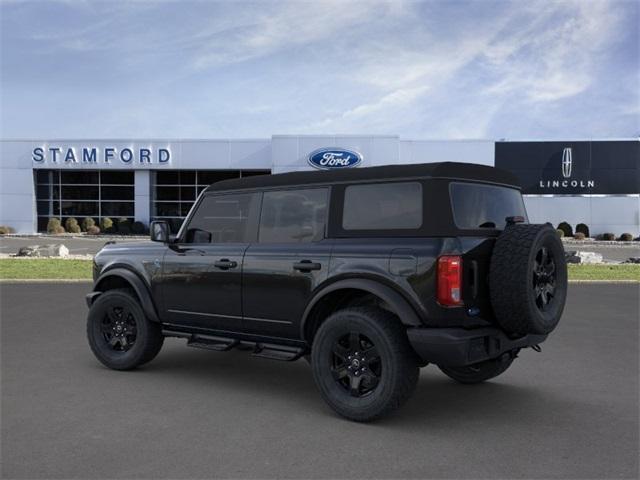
column 528, row 279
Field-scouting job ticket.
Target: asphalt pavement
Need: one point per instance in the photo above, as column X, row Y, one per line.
column 568, row 412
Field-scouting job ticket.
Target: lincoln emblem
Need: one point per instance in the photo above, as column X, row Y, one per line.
column 566, row 162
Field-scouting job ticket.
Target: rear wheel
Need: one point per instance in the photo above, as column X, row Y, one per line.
column 479, row 372
column 363, row 364
column 119, row 333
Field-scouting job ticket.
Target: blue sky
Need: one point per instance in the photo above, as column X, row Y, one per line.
column 424, row 70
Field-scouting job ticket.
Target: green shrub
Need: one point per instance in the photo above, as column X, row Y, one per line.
column 52, row 224
column 59, row 229
column 579, row 236
column 71, row 225
column 138, row 228
column 106, row 225
column 607, row 237
column 87, row 222
column 566, row 228
column 560, row 232
column 123, row 225
column 626, row 237
column 4, row 229
column 583, row 228
column 93, row 230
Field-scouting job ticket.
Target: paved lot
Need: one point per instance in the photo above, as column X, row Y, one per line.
column 76, row 245
column 570, row 412
column 91, row 245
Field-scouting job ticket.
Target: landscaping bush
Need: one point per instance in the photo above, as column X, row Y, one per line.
column 71, row 225
column 579, row 236
column 566, row 228
column 123, row 226
column 607, row 237
column 583, row 228
column 106, row 225
column 560, row 233
column 58, row 229
column 52, row 224
column 626, row 237
column 138, row 228
column 4, row 229
column 87, row 223
column 93, row 230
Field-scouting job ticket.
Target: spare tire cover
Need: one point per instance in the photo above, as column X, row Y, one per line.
column 528, row 279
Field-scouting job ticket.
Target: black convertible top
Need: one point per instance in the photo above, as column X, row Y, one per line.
column 453, row 170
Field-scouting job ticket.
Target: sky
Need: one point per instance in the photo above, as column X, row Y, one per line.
column 421, row 70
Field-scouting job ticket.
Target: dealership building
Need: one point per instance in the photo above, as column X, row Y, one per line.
column 596, row 182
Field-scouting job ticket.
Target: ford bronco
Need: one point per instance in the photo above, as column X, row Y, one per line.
column 368, row 273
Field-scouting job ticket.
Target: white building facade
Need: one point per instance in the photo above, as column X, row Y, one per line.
column 591, row 182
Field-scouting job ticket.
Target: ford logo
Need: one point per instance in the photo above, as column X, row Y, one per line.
column 330, row 158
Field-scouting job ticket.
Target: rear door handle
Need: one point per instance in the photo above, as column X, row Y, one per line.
column 306, row 266
column 225, row 264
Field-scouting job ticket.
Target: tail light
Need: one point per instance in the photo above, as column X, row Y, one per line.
column 450, row 280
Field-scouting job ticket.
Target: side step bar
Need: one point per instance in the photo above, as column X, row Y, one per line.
column 221, row 344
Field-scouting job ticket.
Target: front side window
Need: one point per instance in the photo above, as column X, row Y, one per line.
column 484, row 206
column 383, row 206
column 293, row 216
column 224, row 219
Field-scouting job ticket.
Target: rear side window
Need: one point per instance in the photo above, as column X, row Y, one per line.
column 383, row 206
column 224, row 219
column 293, row 216
column 484, row 206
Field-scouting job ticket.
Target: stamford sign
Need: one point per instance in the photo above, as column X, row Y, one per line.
column 95, row 155
column 334, row 158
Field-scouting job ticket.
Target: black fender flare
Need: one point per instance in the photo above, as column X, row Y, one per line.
column 396, row 301
column 138, row 285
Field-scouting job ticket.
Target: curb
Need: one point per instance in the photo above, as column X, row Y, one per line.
column 605, row 281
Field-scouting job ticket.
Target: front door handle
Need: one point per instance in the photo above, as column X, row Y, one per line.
column 225, row 264
column 306, row 266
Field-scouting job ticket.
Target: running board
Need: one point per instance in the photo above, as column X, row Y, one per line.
column 221, row 344
column 277, row 352
column 209, row 342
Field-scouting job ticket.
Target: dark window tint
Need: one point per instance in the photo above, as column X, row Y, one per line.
column 224, row 219
column 117, row 193
column 75, row 178
column 383, row 206
column 117, row 209
column 118, row 178
column 484, row 206
column 79, row 192
column 293, row 216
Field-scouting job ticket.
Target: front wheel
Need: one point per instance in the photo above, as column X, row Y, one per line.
column 119, row 333
column 363, row 364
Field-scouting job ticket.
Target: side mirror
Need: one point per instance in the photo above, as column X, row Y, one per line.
column 159, row 231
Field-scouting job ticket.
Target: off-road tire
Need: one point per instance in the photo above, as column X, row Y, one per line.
column 478, row 372
column 148, row 335
column 514, row 275
column 397, row 363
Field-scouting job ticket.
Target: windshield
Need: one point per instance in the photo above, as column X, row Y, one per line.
column 484, row 206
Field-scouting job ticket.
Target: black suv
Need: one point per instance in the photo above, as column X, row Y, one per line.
column 368, row 273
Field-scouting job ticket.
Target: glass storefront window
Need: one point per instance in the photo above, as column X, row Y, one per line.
column 88, row 193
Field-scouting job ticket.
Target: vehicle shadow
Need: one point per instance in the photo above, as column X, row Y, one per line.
column 438, row 401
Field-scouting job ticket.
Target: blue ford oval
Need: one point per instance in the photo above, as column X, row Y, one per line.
column 332, row 158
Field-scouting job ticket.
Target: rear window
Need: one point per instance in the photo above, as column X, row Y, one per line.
column 383, row 206
column 484, row 206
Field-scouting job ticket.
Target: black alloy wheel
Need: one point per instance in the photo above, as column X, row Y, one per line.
column 362, row 363
column 356, row 364
column 119, row 333
column 544, row 278
column 119, row 328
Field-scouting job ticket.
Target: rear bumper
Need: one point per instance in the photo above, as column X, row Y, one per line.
column 457, row 347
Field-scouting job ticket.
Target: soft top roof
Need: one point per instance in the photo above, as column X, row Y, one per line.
column 453, row 170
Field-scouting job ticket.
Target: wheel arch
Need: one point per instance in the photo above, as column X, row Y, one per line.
column 121, row 277
column 328, row 298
